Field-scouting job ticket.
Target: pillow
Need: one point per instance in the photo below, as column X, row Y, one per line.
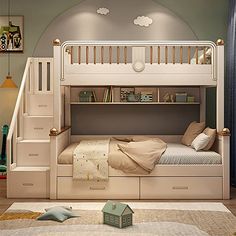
column 193, row 130
column 212, row 134
column 200, row 142
column 57, row 213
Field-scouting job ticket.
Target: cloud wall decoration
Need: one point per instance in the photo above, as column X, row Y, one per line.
column 103, row 11
column 143, row 21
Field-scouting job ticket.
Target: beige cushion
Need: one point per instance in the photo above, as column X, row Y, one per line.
column 212, row 134
column 200, row 142
column 193, row 130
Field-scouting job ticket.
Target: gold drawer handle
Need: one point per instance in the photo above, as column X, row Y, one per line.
column 180, row 187
column 33, row 154
column 28, row 184
column 97, row 188
column 42, row 105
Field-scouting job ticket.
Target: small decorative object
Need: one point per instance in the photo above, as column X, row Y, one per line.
column 143, row 21
column 87, row 96
column 124, row 92
column 117, row 214
column 146, row 96
column 190, row 98
column 58, row 213
column 166, row 97
column 103, row 11
column 133, row 97
column 172, row 98
column 181, row 97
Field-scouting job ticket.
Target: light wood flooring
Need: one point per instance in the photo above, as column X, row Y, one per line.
column 6, row 203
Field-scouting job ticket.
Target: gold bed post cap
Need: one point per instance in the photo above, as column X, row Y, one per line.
column 56, row 42
column 53, row 132
column 225, row 132
column 220, row 42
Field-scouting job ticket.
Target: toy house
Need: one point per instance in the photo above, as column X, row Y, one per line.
column 117, row 214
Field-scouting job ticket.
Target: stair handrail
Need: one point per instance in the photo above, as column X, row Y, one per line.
column 16, row 111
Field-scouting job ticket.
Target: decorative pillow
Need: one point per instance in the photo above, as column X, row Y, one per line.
column 200, row 142
column 212, row 134
column 193, row 130
column 58, row 213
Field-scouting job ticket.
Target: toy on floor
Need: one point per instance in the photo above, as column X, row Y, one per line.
column 117, row 214
column 3, row 157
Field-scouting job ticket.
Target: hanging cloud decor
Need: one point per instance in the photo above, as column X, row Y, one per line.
column 103, row 11
column 143, row 21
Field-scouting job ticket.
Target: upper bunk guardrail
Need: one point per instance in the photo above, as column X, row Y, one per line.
column 156, row 53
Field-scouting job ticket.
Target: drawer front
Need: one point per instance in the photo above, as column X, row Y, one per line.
column 33, row 154
column 115, row 188
column 28, row 184
column 37, row 127
column 40, row 105
column 181, row 188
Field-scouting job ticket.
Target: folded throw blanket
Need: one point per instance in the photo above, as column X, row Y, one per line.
column 90, row 160
column 145, row 153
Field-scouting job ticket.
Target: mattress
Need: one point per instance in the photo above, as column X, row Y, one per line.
column 175, row 154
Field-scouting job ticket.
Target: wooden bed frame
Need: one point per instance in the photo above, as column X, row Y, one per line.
column 122, row 63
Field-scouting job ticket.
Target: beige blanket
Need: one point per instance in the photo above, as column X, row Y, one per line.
column 90, row 160
column 140, row 157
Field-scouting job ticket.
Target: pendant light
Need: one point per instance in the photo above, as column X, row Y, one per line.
column 8, row 82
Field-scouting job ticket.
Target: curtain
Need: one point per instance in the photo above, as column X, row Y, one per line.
column 231, row 86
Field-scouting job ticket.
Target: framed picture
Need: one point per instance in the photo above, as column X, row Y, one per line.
column 11, row 34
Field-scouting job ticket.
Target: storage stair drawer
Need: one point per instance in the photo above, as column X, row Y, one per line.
column 114, row 188
column 33, row 153
column 181, row 187
column 28, row 182
column 40, row 104
column 37, row 127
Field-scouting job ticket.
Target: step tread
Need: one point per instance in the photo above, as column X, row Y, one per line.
column 30, row 168
column 34, row 141
column 38, row 116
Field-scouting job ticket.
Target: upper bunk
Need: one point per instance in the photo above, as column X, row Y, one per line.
column 139, row 63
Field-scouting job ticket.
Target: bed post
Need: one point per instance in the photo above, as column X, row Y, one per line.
column 223, row 132
column 53, row 163
column 220, row 85
column 225, row 153
column 57, row 90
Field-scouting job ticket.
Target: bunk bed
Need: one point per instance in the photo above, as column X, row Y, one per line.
column 105, row 67
column 153, row 65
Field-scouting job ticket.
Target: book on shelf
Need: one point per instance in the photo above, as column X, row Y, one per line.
column 107, row 97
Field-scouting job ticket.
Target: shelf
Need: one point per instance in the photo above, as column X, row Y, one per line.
column 135, row 103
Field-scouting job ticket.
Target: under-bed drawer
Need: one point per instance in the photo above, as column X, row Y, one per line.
column 181, row 187
column 115, row 188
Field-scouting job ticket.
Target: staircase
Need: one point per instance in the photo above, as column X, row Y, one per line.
column 28, row 144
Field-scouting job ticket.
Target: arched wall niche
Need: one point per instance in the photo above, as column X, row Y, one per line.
column 82, row 22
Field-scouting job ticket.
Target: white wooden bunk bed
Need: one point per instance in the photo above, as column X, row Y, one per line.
column 153, row 65
column 146, row 64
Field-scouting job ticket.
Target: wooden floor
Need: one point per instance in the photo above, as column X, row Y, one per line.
column 6, row 203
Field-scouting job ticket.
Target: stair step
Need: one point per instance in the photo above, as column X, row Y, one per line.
column 31, row 168
column 40, row 104
column 33, row 153
column 34, row 141
column 37, row 127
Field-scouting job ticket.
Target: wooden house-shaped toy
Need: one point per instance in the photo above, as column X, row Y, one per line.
column 117, row 214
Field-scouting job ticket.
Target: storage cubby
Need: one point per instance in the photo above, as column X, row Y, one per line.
column 136, row 95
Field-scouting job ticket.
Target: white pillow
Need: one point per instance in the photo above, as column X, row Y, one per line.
column 200, row 142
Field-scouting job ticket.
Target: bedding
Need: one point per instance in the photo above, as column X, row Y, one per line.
column 175, row 154
column 90, row 160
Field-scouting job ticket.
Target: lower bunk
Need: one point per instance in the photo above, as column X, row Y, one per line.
column 178, row 175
